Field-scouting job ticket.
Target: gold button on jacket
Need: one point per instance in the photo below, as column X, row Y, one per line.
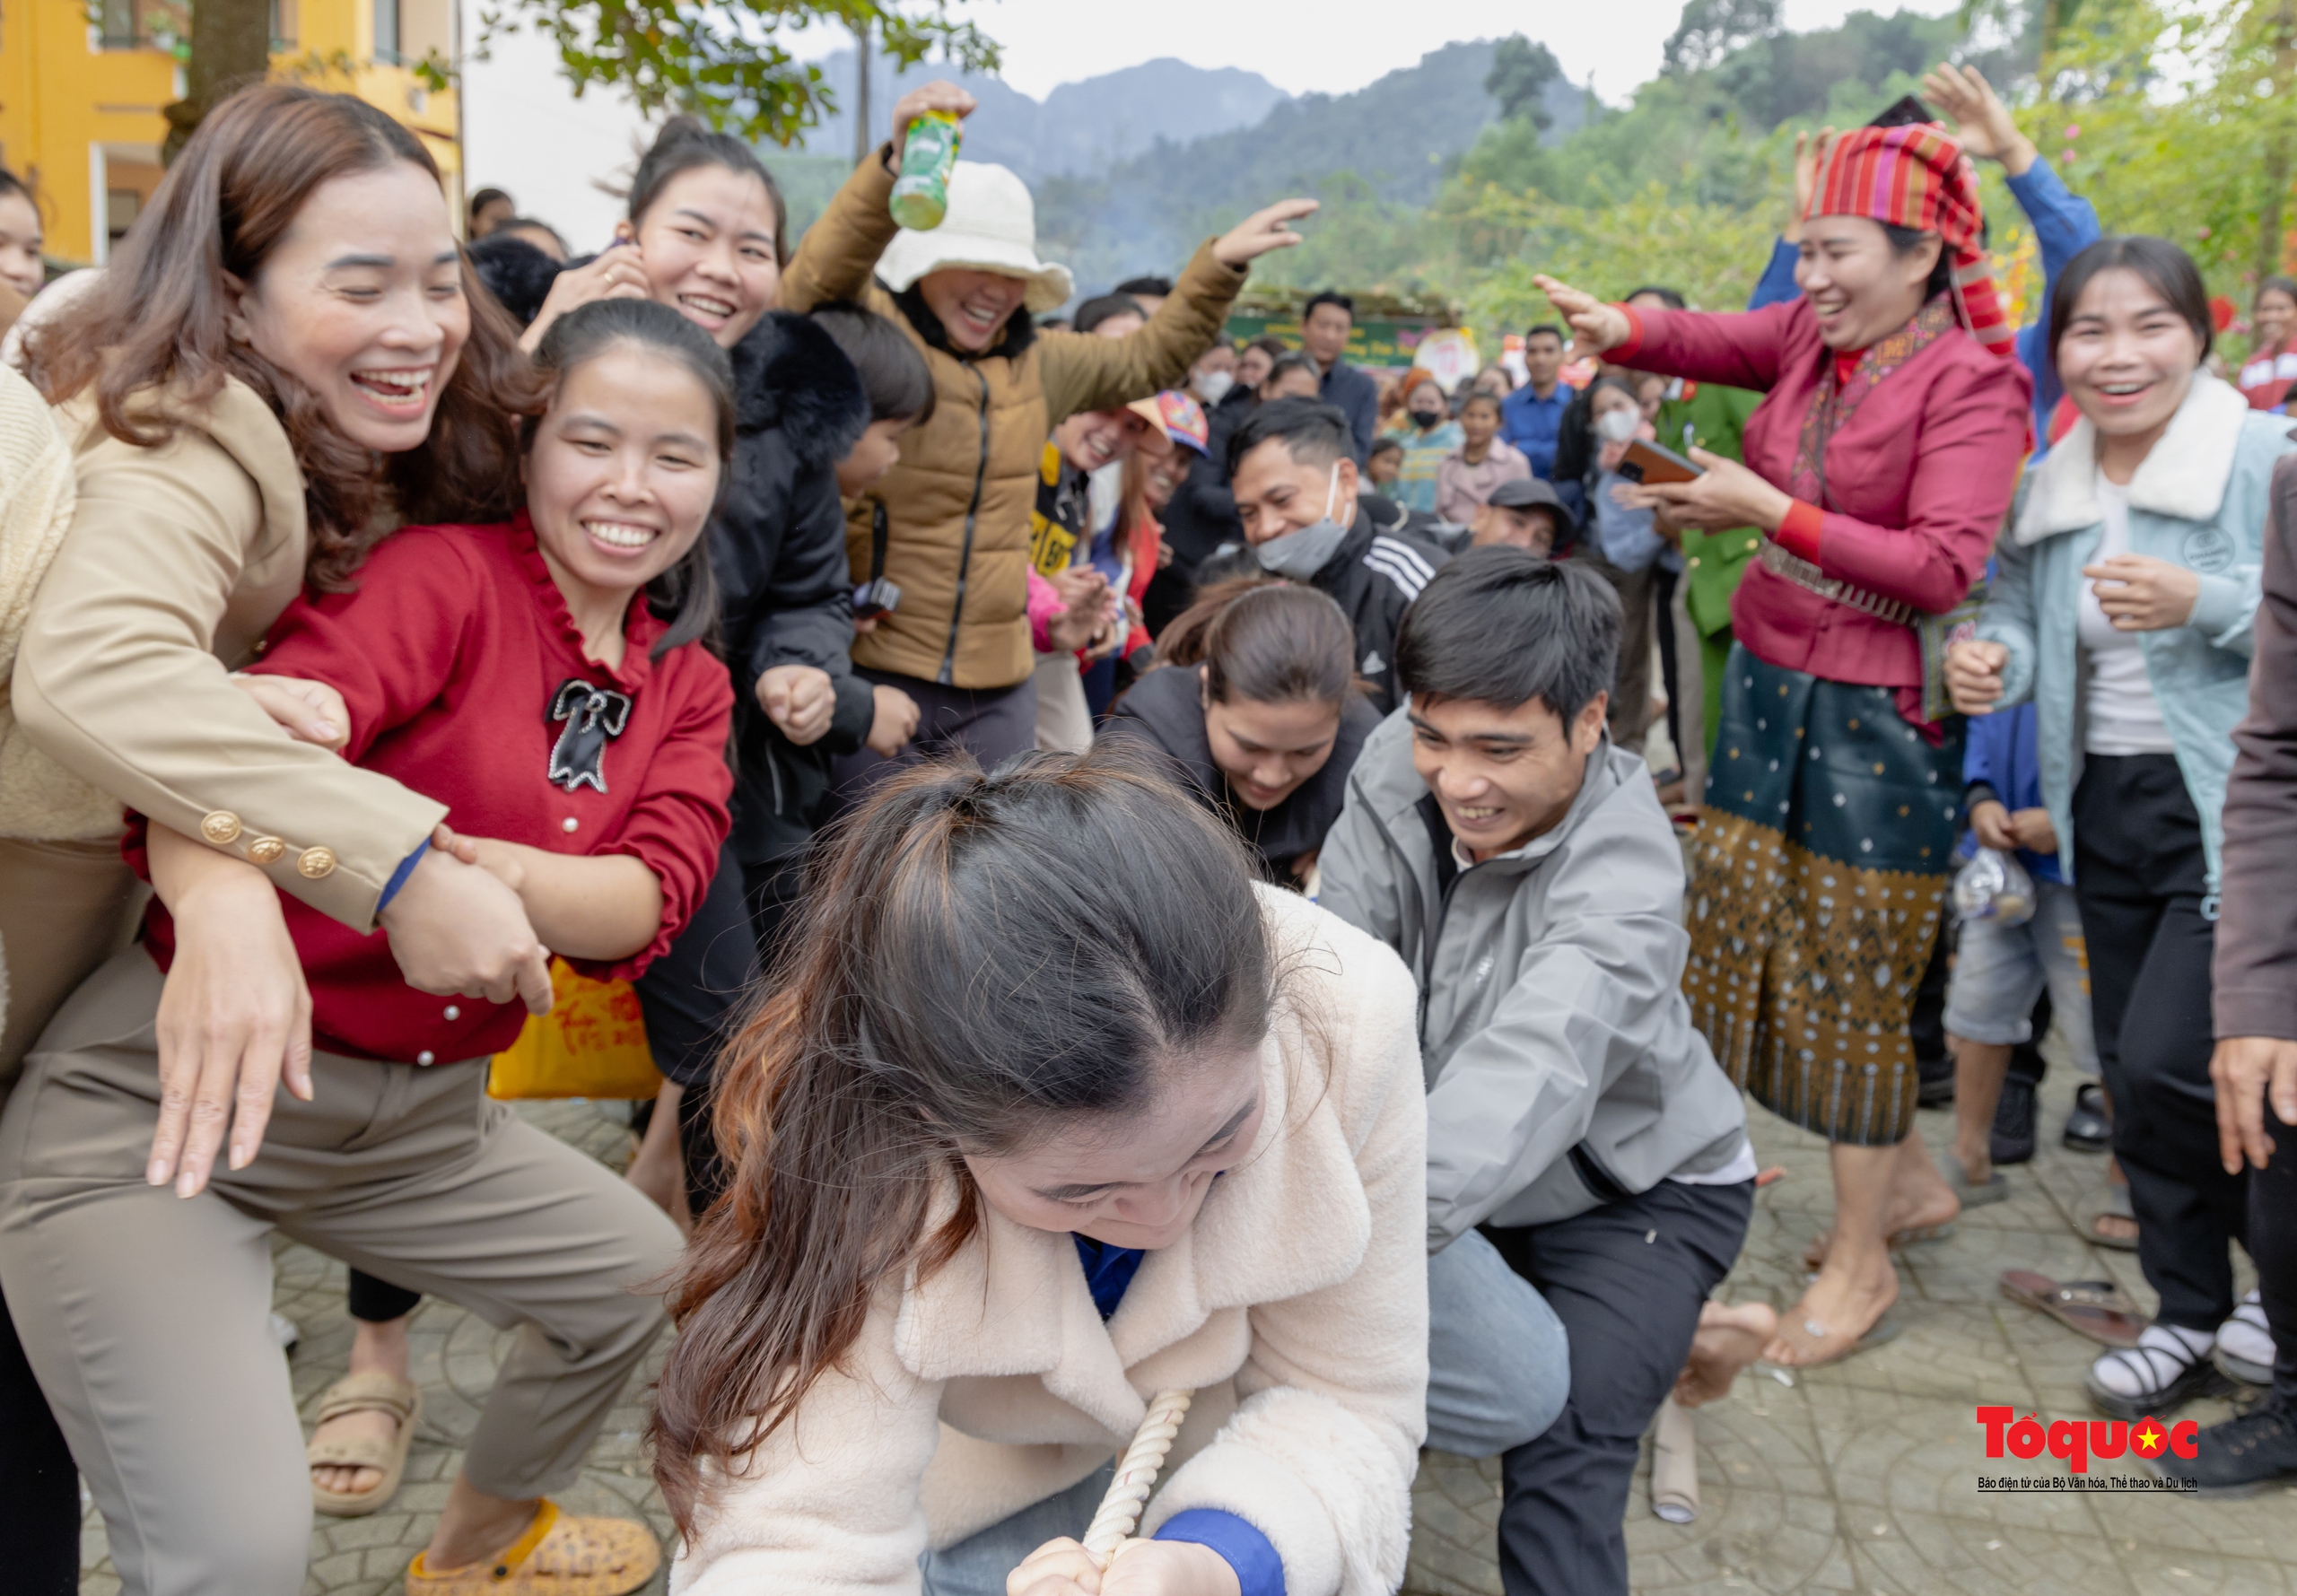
column 222, row 828
column 315, row 862
column 266, row 851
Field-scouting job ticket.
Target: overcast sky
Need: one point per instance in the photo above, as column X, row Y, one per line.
column 1334, row 46
column 527, row 133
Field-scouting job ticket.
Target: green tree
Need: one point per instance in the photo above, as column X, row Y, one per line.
column 724, row 60
column 1520, row 72
column 1710, row 29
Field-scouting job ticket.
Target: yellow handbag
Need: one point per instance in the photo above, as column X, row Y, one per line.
column 592, row 1043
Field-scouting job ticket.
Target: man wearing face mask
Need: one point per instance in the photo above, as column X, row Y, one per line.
column 1298, row 498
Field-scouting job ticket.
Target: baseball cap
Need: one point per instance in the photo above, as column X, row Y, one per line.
column 1178, row 416
column 1529, row 492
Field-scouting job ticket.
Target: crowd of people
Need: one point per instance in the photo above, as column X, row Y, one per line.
column 1136, row 854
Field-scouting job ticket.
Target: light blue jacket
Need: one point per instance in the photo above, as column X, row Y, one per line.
column 2199, row 502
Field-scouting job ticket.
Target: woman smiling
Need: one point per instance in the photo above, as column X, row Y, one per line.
column 1878, row 466
column 2128, row 583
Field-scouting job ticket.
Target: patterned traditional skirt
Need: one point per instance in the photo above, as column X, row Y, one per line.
column 1816, row 884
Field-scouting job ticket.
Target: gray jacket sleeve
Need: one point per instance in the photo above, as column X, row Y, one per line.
column 1355, row 877
column 1588, row 998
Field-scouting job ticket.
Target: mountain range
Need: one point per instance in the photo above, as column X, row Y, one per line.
column 1130, row 168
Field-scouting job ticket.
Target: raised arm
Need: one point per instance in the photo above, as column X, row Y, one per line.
column 838, row 255
column 1738, row 350
column 1082, row 373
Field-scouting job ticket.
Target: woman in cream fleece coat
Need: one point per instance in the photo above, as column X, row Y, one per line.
column 1069, row 1113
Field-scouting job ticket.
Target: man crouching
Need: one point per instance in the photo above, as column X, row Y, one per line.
column 1578, row 1129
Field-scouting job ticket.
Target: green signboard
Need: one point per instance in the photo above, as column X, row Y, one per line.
column 1382, row 343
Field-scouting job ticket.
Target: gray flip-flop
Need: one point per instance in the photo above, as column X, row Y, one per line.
column 2114, row 1201
column 1996, row 1190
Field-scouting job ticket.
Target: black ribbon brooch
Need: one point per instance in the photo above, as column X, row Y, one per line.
column 592, row 714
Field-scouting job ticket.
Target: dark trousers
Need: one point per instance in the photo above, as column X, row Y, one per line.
column 2140, row 877
column 1627, row 1280
column 2272, row 1246
column 992, row 725
column 39, row 1489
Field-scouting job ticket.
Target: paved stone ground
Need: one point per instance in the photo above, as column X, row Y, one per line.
column 1858, row 1478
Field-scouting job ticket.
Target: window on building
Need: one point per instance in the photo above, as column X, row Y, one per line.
column 284, row 24
column 119, row 25
column 121, row 207
column 386, row 41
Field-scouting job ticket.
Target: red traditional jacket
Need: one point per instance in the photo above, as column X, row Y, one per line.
column 465, row 681
column 1918, row 473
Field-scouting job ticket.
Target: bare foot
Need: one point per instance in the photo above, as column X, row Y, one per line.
column 2114, row 1227
column 1727, row 1340
column 659, row 1168
column 1916, row 1204
column 1831, row 1317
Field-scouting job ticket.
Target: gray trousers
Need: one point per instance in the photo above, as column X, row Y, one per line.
column 143, row 1314
column 1500, row 1372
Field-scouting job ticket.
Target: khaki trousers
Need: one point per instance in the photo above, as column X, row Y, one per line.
column 1064, row 720
column 65, row 908
column 143, row 1314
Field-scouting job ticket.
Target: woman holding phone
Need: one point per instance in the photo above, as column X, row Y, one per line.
column 1878, row 467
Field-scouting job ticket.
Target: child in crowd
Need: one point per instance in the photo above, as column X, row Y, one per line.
column 1383, row 465
column 1484, row 460
column 1260, row 717
column 1055, row 1109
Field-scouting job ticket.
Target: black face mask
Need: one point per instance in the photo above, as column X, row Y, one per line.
column 1426, row 420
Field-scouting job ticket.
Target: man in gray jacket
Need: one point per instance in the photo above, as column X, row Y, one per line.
column 1579, row 1127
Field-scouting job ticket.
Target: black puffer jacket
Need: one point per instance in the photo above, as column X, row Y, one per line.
column 1166, row 710
column 778, row 546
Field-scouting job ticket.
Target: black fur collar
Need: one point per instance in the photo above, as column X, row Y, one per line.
column 790, row 374
column 1020, row 331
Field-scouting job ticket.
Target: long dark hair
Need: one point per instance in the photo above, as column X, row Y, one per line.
column 158, row 319
column 687, row 594
column 2163, row 267
column 685, row 143
column 1265, row 641
column 982, row 956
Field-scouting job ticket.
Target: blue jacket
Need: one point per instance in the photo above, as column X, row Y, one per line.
column 2199, row 501
column 2064, row 224
column 1530, row 423
column 2004, row 754
column 1357, row 396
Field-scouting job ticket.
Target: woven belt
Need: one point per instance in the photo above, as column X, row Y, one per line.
column 1794, row 569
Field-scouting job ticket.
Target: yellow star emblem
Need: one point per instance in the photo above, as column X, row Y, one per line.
column 2149, row 1440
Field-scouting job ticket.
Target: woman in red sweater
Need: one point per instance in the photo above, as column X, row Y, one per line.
column 1879, row 465
column 544, row 679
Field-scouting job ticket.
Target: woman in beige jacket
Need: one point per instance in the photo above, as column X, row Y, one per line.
column 283, row 363
column 1057, row 1111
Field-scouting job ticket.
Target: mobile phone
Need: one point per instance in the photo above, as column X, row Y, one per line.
column 877, row 597
column 1648, row 462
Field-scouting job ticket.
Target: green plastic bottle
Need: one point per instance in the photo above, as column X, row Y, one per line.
column 921, row 193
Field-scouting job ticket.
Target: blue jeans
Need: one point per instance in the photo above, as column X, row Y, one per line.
column 1500, row 1372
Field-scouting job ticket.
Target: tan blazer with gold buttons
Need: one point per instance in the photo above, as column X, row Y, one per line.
column 179, row 558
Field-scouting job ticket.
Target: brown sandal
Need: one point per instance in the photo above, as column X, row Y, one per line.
column 558, row 1555
column 2097, row 1309
column 371, row 1392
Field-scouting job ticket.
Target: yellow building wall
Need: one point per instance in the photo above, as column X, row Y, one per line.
column 81, row 123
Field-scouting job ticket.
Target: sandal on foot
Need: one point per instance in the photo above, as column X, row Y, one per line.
column 2097, row 1309
column 558, row 1555
column 1997, row 1188
column 371, row 1392
column 2170, row 1370
column 2249, row 1317
column 1674, row 1465
column 1883, row 1329
column 2112, row 1204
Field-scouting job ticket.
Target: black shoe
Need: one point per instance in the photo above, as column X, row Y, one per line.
column 1937, row 1080
column 2240, row 1457
column 2087, row 1129
column 2013, row 1138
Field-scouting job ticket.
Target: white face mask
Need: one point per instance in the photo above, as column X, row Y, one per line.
column 1213, row 386
column 1301, row 555
column 1617, row 426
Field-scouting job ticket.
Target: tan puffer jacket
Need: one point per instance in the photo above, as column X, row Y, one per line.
column 957, row 505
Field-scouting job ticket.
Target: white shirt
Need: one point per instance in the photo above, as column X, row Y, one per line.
column 2120, row 713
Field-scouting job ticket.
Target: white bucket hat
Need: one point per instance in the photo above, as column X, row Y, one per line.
column 992, row 226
